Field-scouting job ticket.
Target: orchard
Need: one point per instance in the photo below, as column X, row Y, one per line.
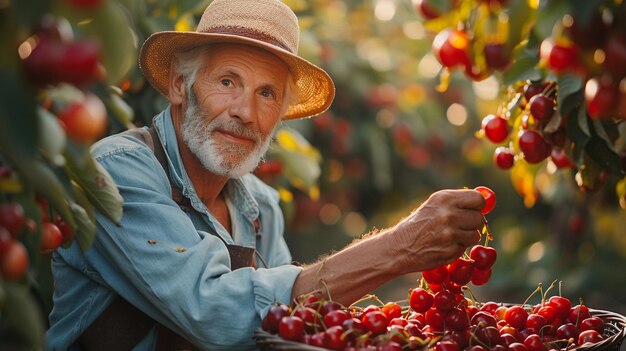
column 523, row 97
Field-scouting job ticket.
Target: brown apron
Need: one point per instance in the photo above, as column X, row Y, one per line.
column 121, row 325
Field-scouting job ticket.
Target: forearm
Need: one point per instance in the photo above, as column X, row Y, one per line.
column 351, row 273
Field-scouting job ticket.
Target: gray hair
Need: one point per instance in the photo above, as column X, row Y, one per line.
column 189, row 62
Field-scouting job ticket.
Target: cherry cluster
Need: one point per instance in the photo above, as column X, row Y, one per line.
column 539, row 133
column 14, row 259
column 476, row 50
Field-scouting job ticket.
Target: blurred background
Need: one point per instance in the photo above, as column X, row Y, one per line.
column 406, row 122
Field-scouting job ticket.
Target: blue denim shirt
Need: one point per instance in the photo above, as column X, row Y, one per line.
column 193, row 292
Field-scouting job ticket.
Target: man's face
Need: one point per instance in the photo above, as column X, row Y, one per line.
column 233, row 108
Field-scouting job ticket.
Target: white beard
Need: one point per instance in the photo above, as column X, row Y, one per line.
column 228, row 160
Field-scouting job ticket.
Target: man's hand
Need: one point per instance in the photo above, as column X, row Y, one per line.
column 439, row 231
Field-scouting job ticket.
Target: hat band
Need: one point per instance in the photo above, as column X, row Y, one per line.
column 250, row 34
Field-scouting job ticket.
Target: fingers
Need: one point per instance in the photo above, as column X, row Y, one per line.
column 461, row 198
column 468, row 238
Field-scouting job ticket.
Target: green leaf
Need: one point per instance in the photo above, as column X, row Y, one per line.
column 184, row 6
column 97, row 185
column 579, row 134
column 548, row 14
column 85, row 233
column 570, row 93
column 81, row 199
column 22, row 313
column 600, row 149
column 523, row 68
column 18, row 116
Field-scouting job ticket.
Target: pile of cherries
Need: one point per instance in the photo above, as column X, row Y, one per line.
column 439, row 316
column 444, row 321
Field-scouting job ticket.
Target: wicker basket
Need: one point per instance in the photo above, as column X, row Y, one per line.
column 614, row 333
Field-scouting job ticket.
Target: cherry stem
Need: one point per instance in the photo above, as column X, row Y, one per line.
column 580, row 302
column 560, row 286
column 468, row 289
column 538, row 289
column 547, row 290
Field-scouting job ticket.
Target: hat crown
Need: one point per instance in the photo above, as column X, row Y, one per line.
column 270, row 21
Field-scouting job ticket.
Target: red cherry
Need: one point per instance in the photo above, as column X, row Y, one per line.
column 481, row 276
column 451, row 48
column 276, row 312
column 420, row 300
column 488, row 335
column 516, row 316
column 375, row 321
column 548, row 312
column 558, row 57
column 533, row 89
column 85, row 121
column 392, row 310
column 484, row 256
column 12, row 218
column 447, row 345
column 534, row 343
column 567, row 331
column 601, row 97
column 489, row 307
column 496, row 56
column 560, row 159
column 536, row 321
column 490, row 198
column 578, row 313
column 336, row 317
column 541, row 107
column 457, row 319
column 460, row 271
column 517, row 346
column 51, row 237
column 334, row 340
column 319, row 339
column 503, row 157
column 78, row 63
column 592, row 323
column 496, row 128
column 561, row 305
column 590, row 336
column 436, row 275
column 533, row 146
column 435, row 318
column 14, row 263
column 309, row 316
column 615, row 54
column 444, row 300
column 483, row 318
column 291, row 328
column 40, row 65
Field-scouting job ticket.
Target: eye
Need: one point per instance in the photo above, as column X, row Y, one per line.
column 226, row 82
column 267, row 93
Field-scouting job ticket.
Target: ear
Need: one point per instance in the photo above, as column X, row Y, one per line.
column 176, row 91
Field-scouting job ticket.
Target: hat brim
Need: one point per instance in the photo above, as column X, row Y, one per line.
column 315, row 88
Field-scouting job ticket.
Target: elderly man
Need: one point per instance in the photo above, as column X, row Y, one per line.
column 199, row 256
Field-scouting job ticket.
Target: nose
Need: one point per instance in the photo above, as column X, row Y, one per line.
column 242, row 106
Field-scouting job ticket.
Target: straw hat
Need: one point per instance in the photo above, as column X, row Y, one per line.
column 266, row 24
